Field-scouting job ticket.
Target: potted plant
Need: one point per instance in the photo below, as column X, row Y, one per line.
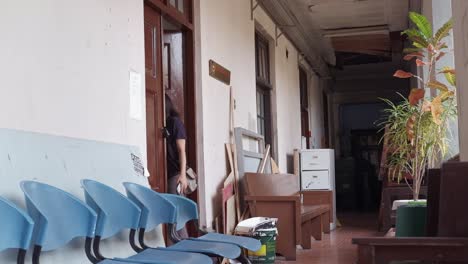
column 417, row 128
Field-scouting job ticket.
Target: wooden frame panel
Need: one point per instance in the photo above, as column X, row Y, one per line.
column 185, row 19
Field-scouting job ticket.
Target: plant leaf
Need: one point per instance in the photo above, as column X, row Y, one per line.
column 422, row 23
column 446, row 95
column 420, row 63
column 416, row 36
column 410, row 50
column 426, row 106
column 410, row 127
column 419, row 45
column 437, row 85
column 437, row 110
column 447, row 69
column 441, row 54
column 442, row 46
column 449, row 74
column 402, row 74
column 410, row 56
column 444, row 31
column 415, row 96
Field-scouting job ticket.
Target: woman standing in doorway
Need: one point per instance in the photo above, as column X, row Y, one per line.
column 176, row 155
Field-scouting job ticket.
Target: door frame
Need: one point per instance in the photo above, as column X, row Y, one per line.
column 186, row 21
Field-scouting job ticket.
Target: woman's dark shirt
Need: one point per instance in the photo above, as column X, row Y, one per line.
column 176, row 130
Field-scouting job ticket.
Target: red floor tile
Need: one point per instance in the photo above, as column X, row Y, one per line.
column 336, row 248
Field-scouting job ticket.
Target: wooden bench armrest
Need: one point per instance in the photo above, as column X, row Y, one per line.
column 251, row 198
column 409, row 241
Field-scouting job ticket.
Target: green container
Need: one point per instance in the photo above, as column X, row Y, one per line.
column 411, row 220
column 267, row 253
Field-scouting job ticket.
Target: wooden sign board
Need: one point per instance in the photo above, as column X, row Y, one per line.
column 220, row 73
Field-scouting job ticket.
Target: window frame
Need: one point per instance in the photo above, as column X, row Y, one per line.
column 263, row 87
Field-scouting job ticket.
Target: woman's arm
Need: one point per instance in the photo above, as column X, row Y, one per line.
column 183, row 165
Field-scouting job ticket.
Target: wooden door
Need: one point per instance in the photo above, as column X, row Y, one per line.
column 154, row 100
column 174, row 70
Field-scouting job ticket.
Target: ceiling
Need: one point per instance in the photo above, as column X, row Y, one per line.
column 366, row 28
column 343, row 32
column 332, row 15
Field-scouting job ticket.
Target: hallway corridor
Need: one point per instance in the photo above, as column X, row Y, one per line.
column 336, row 248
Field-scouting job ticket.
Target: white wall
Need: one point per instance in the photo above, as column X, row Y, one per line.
column 460, row 15
column 65, row 68
column 316, row 124
column 227, row 35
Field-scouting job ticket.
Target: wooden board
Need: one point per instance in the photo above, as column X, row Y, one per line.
column 230, row 224
column 296, row 160
column 265, row 159
column 248, row 160
column 229, row 208
column 274, row 167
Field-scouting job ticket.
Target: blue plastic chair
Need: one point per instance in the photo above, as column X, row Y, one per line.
column 187, row 211
column 158, row 210
column 16, row 229
column 59, row 217
column 116, row 213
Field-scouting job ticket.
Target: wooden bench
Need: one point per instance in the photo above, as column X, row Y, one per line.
column 447, row 240
column 279, row 196
column 382, row 250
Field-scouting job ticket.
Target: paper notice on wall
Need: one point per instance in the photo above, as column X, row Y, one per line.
column 136, row 100
column 137, row 165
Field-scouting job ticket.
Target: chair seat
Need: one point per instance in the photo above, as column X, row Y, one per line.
column 163, row 256
column 243, row 242
column 224, row 250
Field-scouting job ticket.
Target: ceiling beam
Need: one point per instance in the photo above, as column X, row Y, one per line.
column 301, row 34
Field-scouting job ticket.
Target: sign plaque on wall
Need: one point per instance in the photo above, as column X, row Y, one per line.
column 220, row 73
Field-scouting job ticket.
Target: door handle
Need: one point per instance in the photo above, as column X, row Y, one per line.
column 165, row 132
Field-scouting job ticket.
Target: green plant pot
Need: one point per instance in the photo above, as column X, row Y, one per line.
column 411, row 220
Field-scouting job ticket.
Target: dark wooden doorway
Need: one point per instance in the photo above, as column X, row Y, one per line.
column 179, row 84
column 176, row 84
column 154, row 100
column 367, row 150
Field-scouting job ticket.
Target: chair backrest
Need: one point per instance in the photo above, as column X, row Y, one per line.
column 186, row 209
column 16, row 227
column 155, row 209
column 115, row 211
column 59, row 216
column 260, row 184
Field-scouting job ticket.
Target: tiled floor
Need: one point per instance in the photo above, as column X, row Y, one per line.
column 336, row 248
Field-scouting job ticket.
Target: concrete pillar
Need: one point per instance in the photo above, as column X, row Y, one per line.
column 460, row 15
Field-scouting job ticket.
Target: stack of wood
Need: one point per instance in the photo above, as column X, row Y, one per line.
column 231, row 207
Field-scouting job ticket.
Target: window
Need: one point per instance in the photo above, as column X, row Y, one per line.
column 262, row 68
column 304, row 97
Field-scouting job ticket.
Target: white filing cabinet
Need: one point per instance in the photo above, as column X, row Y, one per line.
column 317, row 172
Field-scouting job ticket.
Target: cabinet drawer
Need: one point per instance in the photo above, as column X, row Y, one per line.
column 315, row 160
column 315, row 180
